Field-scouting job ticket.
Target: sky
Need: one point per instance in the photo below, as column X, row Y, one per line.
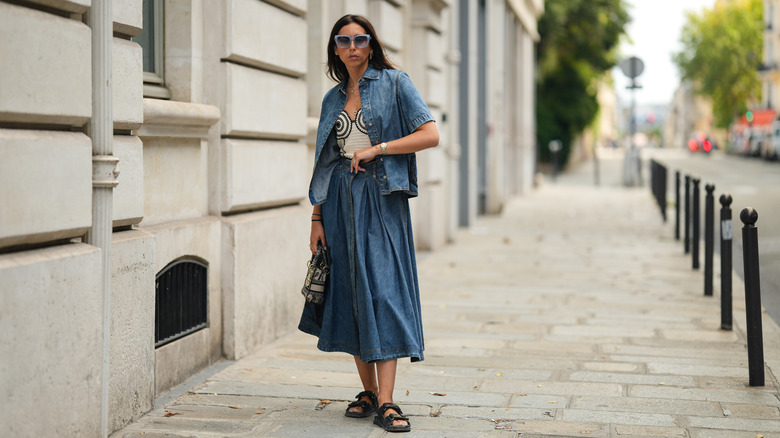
column 655, row 35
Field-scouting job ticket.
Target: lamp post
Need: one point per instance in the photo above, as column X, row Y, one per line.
column 632, row 67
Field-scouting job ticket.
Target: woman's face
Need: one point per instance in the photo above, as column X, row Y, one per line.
column 352, row 56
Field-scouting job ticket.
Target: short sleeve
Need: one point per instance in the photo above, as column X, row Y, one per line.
column 414, row 111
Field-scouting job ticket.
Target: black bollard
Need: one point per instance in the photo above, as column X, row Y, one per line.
column 696, row 224
column 725, row 262
column 709, row 237
column 755, row 341
column 677, row 205
column 687, row 217
column 662, row 191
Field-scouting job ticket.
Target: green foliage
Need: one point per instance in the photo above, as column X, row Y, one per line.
column 721, row 53
column 578, row 44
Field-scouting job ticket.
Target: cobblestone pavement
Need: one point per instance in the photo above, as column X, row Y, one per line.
column 574, row 313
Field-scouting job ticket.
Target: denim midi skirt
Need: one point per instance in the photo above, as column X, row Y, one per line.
column 372, row 304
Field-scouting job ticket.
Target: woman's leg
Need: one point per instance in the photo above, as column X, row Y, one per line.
column 367, row 373
column 386, row 373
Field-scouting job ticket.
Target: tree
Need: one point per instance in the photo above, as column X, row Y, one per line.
column 721, row 53
column 577, row 45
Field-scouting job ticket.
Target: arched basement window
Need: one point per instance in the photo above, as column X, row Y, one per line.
column 181, row 300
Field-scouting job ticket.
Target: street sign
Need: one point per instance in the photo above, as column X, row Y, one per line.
column 632, row 67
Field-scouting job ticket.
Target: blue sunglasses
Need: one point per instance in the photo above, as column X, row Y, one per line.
column 345, row 41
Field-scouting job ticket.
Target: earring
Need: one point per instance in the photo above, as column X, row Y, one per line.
column 371, row 56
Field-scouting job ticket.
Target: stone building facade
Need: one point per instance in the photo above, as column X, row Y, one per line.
column 213, row 105
column 769, row 70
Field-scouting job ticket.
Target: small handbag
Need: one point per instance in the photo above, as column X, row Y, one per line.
column 317, row 276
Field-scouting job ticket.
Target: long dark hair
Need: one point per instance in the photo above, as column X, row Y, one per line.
column 336, row 69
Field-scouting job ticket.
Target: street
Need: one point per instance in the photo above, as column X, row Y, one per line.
column 751, row 182
column 571, row 314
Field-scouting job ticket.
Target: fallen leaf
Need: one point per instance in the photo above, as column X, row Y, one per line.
column 322, row 404
column 758, row 435
column 234, row 407
column 499, row 374
column 142, row 433
column 553, row 401
column 480, row 369
column 661, row 383
column 248, row 369
column 476, row 386
column 507, row 241
column 171, row 414
column 538, row 386
column 435, row 414
column 259, row 411
column 617, row 347
column 407, row 392
column 521, row 395
column 440, row 394
column 585, row 432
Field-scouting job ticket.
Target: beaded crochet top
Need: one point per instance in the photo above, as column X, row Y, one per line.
column 351, row 135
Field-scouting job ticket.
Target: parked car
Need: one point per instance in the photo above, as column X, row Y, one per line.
column 772, row 145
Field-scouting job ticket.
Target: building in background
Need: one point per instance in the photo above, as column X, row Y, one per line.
column 214, row 105
column 769, row 71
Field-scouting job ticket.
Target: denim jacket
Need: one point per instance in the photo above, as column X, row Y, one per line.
column 392, row 108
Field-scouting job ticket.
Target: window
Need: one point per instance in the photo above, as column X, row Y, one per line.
column 181, row 301
column 151, row 41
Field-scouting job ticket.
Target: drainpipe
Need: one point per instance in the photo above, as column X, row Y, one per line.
column 101, row 131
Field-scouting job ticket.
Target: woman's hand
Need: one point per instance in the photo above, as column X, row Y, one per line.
column 317, row 235
column 363, row 156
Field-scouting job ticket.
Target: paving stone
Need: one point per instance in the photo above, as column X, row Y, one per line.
column 649, row 431
column 697, row 370
column 751, row 424
column 749, row 397
column 497, row 413
column 660, row 406
column 610, row 366
column 521, row 400
column 561, row 429
column 637, row 379
column 712, row 433
column 555, row 388
column 612, row 417
column 750, row 411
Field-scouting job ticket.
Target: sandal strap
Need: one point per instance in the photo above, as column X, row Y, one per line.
column 394, row 417
column 365, row 405
column 359, row 404
column 370, row 394
column 382, row 409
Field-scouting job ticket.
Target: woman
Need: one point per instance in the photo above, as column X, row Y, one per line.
column 371, row 124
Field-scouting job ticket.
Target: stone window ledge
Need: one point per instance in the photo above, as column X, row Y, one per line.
column 165, row 118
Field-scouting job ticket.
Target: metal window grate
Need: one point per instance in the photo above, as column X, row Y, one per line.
column 181, row 301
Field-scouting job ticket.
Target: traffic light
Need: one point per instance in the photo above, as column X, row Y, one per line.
column 749, row 116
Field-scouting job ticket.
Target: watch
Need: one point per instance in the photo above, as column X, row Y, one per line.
column 383, row 147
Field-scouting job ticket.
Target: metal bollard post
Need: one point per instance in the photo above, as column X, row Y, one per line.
column 725, row 262
column 687, row 217
column 709, row 237
column 755, row 341
column 696, row 224
column 677, row 205
column 662, row 191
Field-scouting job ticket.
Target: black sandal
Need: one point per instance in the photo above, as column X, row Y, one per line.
column 368, row 407
column 386, row 422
